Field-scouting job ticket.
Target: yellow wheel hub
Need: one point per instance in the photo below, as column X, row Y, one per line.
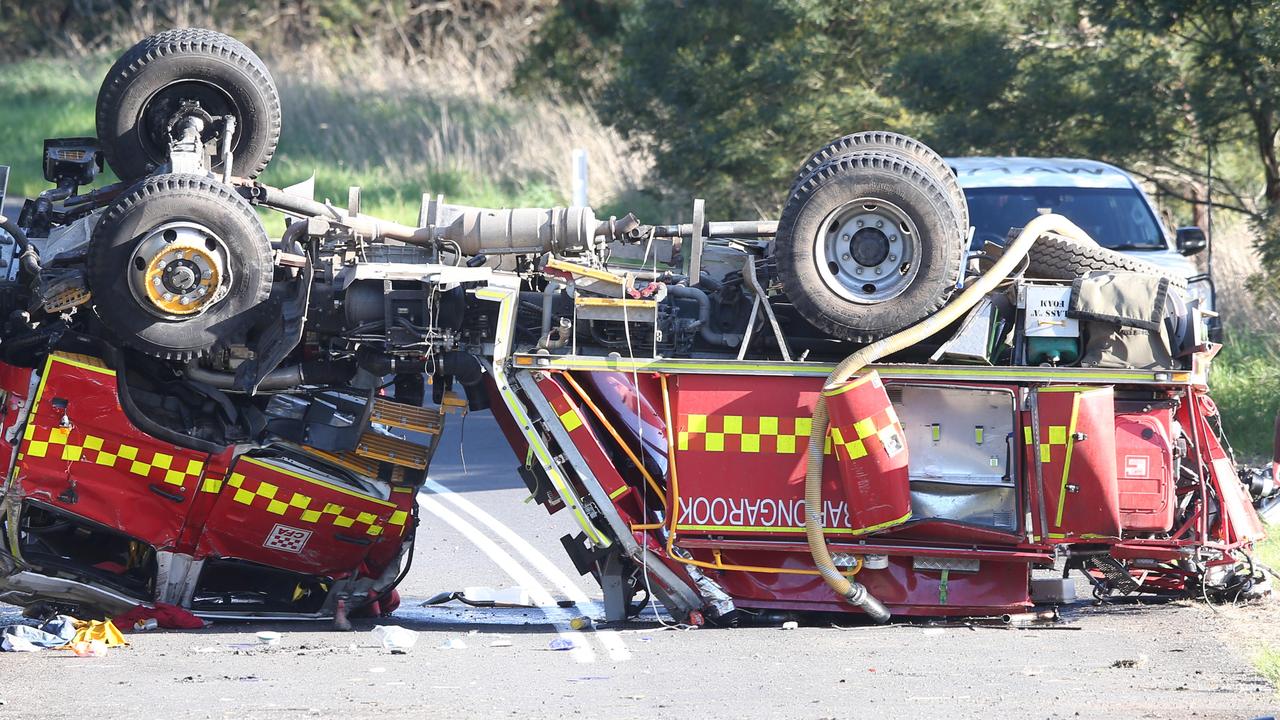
column 179, row 270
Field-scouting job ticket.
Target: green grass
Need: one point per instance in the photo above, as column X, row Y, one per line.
column 1245, row 382
column 1267, row 661
column 395, row 144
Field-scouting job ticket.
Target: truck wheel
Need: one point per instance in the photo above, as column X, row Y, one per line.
column 867, row 245
column 890, row 143
column 178, row 264
column 1060, row 258
column 184, row 72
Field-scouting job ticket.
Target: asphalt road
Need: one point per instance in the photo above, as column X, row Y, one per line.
column 1175, row 660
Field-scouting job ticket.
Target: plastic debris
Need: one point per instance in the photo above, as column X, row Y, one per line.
column 500, row 642
column 103, row 631
column 582, row 622
column 15, row 643
column 146, row 625
column 453, row 644
column 269, row 637
column 561, row 644
column 89, row 648
column 394, row 638
column 791, row 625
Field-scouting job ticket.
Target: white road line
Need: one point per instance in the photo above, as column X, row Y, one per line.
column 557, row 617
column 611, row 641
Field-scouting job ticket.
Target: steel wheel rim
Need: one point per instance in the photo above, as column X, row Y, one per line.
column 867, row 251
column 179, row 270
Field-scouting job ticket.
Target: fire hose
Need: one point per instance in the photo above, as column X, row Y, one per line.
column 852, row 591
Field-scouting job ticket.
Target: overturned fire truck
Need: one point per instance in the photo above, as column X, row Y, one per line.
column 845, row 410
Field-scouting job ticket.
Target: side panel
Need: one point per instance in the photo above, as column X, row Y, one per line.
column 1077, row 463
column 81, row 454
column 286, row 515
column 740, row 454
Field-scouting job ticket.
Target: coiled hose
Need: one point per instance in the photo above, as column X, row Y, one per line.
column 850, row 590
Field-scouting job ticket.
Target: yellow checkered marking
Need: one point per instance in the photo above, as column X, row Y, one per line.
column 56, row 442
column 791, row 435
column 269, row 497
column 1056, row 437
column 571, row 420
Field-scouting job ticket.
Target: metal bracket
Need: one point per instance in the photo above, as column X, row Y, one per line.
column 749, row 274
column 693, row 261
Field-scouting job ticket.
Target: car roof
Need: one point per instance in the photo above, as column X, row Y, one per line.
column 986, row 172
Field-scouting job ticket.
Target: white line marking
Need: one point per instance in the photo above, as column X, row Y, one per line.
column 556, row 617
column 616, row 648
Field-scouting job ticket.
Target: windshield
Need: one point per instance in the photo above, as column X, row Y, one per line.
column 1117, row 218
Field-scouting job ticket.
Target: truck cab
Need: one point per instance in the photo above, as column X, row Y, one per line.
column 1105, row 201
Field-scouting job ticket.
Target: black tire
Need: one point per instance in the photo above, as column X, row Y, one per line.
column 1061, row 258
column 915, row 191
column 891, row 143
column 145, row 87
column 150, row 204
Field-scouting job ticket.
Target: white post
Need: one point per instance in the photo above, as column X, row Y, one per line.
column 579, row 178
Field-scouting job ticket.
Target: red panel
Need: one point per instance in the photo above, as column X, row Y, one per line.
column 997, row 587
column 81, row 454
column 579, row 421
column 294, row 519
column 1144, row 463
column 1078, row 454
column 740, row 456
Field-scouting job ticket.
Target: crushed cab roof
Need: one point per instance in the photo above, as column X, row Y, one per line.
column 984, row 172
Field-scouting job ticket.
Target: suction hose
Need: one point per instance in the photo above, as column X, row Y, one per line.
column 852, row 591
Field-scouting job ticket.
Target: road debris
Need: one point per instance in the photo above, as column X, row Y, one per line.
column 396, row 639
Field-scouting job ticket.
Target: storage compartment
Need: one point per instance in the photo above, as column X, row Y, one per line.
column 1144, row 464
column 960, row 441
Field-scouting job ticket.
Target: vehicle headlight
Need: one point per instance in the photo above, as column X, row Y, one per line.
column 1200, row 288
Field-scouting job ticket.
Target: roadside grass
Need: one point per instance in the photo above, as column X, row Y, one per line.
column 1245, row 381
column 398, row 133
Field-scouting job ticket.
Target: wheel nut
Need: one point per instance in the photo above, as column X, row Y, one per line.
column 893, row 258
column 844, row 237
column 878, row 271
column 857, row 271
column 860, row 223
column 879, row 223
column 845, row 256
column 893, row 238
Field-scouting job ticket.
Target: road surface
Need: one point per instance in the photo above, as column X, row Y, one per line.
column 1171, row 661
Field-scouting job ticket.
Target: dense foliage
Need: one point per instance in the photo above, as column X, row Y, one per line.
column 729, row 94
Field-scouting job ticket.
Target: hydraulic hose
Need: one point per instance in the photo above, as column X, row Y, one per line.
column 852, row 591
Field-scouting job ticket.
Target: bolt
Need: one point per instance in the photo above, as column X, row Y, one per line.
column 878, row 271
column 155, row 281
column 893, row 258
column 893, row 238
column 844, row 237
column 857, row 271
column 168, row 297
column 879, row 223
column 844, row 256
column 161, row 264
column 860, row 223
